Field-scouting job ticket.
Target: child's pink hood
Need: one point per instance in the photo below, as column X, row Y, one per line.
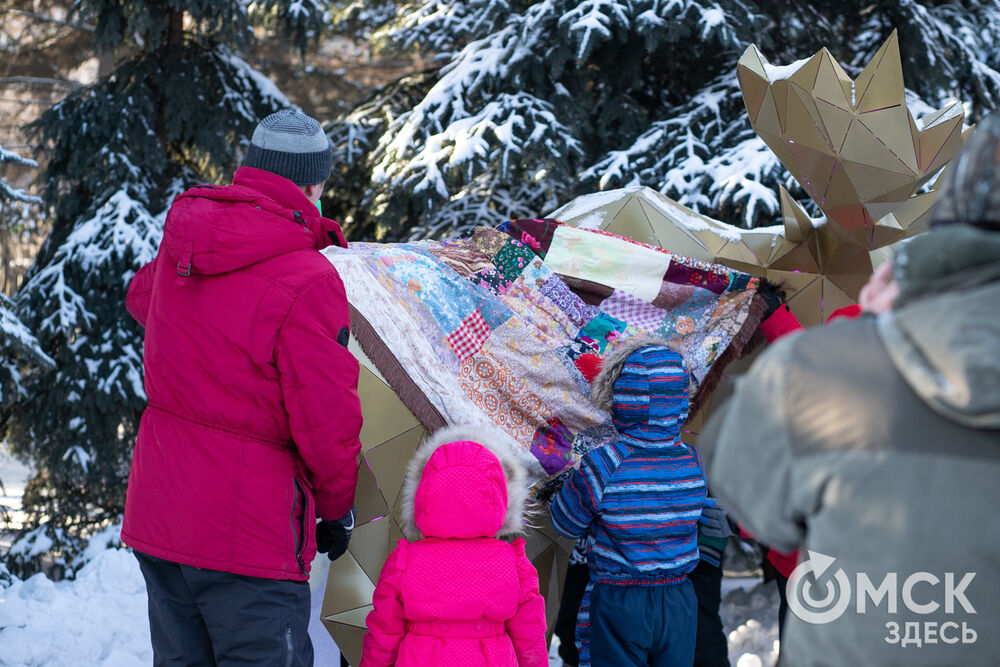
column 463, row 482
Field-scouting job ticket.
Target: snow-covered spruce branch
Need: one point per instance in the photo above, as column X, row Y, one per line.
column 8, row 193
column 441, row 28
column 17, row 340
column 590, row 23
column 487, row 201
column 119, row 229
column 508, row 130
column 704, row 154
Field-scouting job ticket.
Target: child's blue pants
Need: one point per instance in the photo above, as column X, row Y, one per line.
column 626, row 626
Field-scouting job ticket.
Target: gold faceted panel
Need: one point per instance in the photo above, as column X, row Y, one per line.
column 389, row 437
column 852, row 145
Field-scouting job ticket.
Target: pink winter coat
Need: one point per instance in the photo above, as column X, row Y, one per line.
column 459, row 596
column 253, row 417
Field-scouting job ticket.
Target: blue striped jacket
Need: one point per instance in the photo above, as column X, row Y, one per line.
column 639, row 497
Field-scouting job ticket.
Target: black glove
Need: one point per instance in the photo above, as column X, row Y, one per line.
column 332, row 537
column 773, row 296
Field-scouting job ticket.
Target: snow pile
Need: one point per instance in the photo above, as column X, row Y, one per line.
column 750, row 619
column 779, row 72
column 98, row 619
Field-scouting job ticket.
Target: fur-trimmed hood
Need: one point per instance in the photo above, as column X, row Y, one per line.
column 644, row 383
column 603, row 388
column 465, row 481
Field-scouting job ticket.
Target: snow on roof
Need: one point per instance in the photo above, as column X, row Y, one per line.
column 584, row 210
column 778, row 72
column 685, row 216
column 932, row 119
column 587, row 203
column 591, row 220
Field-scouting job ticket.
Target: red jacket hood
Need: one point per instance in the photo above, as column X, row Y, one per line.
column 208, row 231
column 462, row 493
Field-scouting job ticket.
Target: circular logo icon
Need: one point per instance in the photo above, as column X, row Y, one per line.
column 816, row 602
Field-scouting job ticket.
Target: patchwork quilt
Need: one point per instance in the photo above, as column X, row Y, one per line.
column 492, row 328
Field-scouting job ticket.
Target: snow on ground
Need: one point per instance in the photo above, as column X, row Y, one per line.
column 749, row 614
column 99, row 619
column 13, row 476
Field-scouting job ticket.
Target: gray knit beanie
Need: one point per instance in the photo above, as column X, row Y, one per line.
column 291, row 144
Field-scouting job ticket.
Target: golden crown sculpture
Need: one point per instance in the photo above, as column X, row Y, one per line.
column 852, row 145
column 855, row 149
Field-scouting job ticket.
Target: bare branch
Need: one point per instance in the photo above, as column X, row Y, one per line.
column 38, row 81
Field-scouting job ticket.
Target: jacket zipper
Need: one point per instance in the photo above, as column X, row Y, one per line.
column 288, row 647
column 300, row 537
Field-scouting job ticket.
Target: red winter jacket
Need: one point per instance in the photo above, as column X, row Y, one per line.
column 253, row 419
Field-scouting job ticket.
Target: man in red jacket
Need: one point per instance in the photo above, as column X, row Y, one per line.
column 252, row 426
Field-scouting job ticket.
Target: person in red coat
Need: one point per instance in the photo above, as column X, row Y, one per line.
column 251, row 431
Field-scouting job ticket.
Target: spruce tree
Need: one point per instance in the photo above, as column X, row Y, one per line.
column 177, row 109
column 535, row 102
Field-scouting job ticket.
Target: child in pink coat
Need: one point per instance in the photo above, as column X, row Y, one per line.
column 459, row 595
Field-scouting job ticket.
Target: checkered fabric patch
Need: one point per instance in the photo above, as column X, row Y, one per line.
column 633, row 310
column 470, row 335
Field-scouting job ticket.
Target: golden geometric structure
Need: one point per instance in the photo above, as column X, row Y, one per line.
column 818, row 271
column 852, row 145
column 389, row 437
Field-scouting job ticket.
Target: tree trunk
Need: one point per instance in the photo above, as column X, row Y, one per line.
column 173, row 43
column 175, row 34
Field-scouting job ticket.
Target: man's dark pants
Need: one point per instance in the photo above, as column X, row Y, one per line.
column 207, row 617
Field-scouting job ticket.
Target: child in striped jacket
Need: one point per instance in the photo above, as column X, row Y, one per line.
column 639, row 498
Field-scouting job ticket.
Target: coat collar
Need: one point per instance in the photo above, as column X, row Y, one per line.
column 289, row 196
